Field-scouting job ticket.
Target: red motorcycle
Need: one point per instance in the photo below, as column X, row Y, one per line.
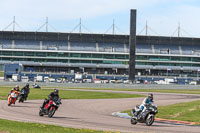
column 50, row 108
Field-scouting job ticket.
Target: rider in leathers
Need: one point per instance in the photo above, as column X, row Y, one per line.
column 146, row 101
column 50, row 97
column 16, row 90
column 26, row 90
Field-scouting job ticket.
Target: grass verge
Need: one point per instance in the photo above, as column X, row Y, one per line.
column 69, row 94
column 181, row 91
column 7, row 126
column 1, row 73
column 189, row 111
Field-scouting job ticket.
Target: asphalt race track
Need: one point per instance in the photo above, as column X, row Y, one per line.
column 96, row 114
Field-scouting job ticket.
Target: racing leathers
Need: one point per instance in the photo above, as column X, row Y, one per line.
column 51, row 96
column 26, row 90
column 145, row 101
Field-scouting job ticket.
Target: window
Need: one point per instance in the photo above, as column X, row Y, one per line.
column 97, row 55
column 7, row 53
column 74, row 61
column 108, row 56
column 175, row 58
column 86, row 55
column 164, row 58
column 75, row 55
column 120, row 57
column 63, row 61
column 18, row 53
column 85, row 61
column 61, row 54
column 97, row 61
column 42, row 54
column 141, row 57
column 112, row 62
column 196, row 59
column 51, row 54
column 29, row 54
column 51, row 60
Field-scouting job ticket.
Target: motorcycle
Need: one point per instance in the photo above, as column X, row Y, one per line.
column 22, row 96
column 50, row 108
column 12, row 98
column 146, row 116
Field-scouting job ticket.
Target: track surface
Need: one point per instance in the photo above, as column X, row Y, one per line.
column 96, row 114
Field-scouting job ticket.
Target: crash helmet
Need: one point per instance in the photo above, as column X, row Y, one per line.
column 56, row 91
column 150, row 96
column 27, row 85
column 17, row 87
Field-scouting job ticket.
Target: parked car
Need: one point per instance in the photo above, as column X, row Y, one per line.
column 52, row 80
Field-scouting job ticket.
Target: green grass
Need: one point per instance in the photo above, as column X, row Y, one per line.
column 189, row 111
column 69, row 94
column 8, row 126
column 1, row 73
column 182, row 91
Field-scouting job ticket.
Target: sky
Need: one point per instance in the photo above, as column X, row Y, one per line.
column 97, row 16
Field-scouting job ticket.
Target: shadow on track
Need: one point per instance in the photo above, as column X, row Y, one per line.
column 154, row 125
column 18, row 106
column 171, row 123
column 162, row 125
column 31, row 103
column 62, row 117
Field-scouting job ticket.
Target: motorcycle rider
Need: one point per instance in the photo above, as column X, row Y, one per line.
column 51, row 96
column 147, row 100
column 26, row 90
column 16, row 90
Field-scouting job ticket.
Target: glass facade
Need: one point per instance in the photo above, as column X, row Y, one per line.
column 98, row 58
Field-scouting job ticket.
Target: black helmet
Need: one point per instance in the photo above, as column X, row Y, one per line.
column 56, row 91
column 27, row 85
column 150, row 96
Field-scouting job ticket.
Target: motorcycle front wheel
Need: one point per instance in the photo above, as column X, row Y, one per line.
column 21, row 100
column 150, row 120
column 51, row 112
column 10, row 102
column 41, row 113
column 133, row 121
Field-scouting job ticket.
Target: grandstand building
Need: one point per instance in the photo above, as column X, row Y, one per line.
column 99, row 53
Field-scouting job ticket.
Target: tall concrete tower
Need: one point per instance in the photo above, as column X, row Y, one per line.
column 132, row 45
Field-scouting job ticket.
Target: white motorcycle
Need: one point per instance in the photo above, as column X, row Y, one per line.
column 146, row 116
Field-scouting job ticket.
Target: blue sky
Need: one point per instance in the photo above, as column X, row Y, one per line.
column 162, row 16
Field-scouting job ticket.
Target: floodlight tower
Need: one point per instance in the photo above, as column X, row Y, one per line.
column 132, row 45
